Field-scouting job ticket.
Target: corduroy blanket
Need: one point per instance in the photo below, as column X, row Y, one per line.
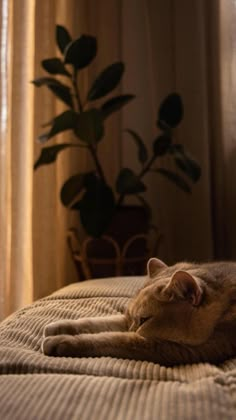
column 34, row 386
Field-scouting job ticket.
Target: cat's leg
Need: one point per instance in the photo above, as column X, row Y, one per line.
column 126, row 345
column 87, row 325
column 130, row 345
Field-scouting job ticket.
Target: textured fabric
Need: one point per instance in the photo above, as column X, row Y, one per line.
column 34, row 386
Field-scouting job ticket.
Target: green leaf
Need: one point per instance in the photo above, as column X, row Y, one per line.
column 175, row 178
column 63, row 93
column 161, row 145
column 106, row 81
column 49, row 154
column 59, row 89
column 81, row 52
column 46, row 81
column 89, row 127
column 71, row 189
column 96, row 206
column 55, row 66
column 190, row 167
column 65, row 121
column 170, row 112
column 63, row 37
column 114, row 104
column 42, row 138
column 186, row 163
column 129, row 183
column 142, row 150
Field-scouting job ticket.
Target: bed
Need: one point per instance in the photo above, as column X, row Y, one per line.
column 35, row 386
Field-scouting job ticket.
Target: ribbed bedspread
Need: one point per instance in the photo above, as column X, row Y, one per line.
column 34, row 386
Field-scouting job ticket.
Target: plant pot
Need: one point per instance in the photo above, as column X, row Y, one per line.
column 123, row 250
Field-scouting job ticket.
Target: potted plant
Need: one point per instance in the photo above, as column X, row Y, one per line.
column 101, row 206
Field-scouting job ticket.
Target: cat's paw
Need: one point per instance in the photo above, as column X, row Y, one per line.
column 58, row 328
column 60, row 345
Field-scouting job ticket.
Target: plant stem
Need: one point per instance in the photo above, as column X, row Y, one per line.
column 147, row 167
column 91, row 147
column 97, row 163
column 77, row 95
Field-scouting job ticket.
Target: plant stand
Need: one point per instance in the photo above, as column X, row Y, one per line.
column 120, row 252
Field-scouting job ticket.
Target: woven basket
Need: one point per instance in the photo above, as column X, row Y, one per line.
column 104, row 257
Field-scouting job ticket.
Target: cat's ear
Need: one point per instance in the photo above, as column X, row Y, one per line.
column 154, row 265
column 185, row 287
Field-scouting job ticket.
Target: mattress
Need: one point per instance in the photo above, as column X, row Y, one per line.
column 35, row 386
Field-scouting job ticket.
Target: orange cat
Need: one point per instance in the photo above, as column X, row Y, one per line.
column 185, row 313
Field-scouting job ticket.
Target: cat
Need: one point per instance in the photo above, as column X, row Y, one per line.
column 185, row 313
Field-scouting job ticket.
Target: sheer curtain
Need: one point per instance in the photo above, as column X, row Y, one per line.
column 174, row 45
column 16, row 155
column 34, row 256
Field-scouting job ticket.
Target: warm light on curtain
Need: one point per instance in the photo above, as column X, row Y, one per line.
column 5, row 186
column 35, row 259
column 16, row 153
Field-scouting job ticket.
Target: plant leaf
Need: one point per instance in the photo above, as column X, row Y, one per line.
column 65, row 121
column 96, row 206
column 71, row 189
column 63, row 37
column 114, row 104
column 81, row 52
column 129, row 183
column 175, row 178
column 176, row 148
column 171, row 111
column 106, row 81
column 63, row 93
column 45, row 81
column 142, row 150
column 55, row 66
column 49, row 154
column 89, row 127
column 186, row 163
column 59, row 89
column 161, row 145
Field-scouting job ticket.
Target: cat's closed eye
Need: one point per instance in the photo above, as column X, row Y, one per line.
column 143, row 320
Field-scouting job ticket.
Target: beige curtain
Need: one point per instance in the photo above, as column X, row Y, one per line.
column 176, row 45
column 34, row 256
column 16, row 155
column 171, row 43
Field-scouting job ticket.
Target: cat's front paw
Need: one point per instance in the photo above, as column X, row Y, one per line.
column 60, row 345
column 59, row 327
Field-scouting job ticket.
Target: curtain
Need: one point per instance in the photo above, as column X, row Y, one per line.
column 224, row 130
column 16, row 158
column 170, row 43
column 176, row 45
column 34, row 256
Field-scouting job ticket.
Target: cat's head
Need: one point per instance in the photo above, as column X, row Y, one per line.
column 185, row 303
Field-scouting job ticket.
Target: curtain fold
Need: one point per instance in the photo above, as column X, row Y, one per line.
column 5, row 165
column 35, row 259
column 16, row 155
column 169, row 49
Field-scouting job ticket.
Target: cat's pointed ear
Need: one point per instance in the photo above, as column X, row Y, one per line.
column 154, row 265
column 185, row 287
